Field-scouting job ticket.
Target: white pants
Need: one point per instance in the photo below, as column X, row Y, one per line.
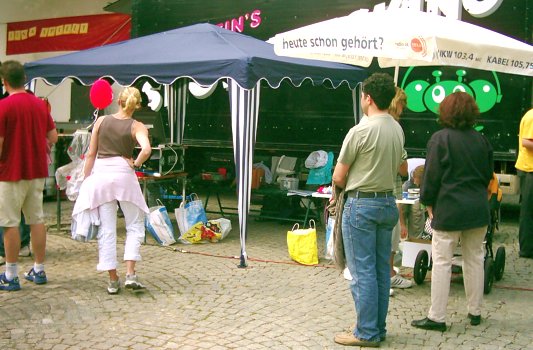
column 107, row 234
column 442, row 247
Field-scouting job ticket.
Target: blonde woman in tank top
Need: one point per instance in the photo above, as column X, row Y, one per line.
column 110, row 179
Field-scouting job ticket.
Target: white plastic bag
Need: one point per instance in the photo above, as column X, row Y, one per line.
column 316, row 159
column 63, row 175
column 158, row 224
column 80, row 144
column 224, row 225
column 330, row 247
column 75, row 179
column 69, row 177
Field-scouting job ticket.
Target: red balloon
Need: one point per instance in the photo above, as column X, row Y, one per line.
column 101, row 94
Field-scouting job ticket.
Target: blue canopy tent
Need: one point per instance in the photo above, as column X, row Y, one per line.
column 203, row 53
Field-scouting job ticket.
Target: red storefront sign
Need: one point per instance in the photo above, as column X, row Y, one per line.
column 67, row 33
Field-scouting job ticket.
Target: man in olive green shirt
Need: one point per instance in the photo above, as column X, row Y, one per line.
column 367, row 168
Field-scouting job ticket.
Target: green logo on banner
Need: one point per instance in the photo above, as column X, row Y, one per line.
column 423, row 96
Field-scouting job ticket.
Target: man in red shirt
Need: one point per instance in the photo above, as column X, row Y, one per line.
column 25, row 128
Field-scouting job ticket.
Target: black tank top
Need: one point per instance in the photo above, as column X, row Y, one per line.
column 114, row 138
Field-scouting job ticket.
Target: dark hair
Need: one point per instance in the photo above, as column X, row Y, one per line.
column 13, row 73
column 458, row 111
column 380, row 86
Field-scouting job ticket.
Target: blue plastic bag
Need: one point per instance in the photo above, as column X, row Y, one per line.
column 189, row 213
column 322, row 175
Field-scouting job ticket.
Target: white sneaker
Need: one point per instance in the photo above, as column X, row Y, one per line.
column 391, row 292
column 25, row 251
column 399, row 282
column 132, row 282
column 347, row 274
column 113, row 286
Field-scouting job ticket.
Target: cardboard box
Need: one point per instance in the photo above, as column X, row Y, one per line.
column 510, row 184
column 257, row 177
column 410, row 249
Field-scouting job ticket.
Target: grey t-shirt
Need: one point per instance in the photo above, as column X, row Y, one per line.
column 373, row 150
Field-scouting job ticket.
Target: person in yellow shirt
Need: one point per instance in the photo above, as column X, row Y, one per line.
column 524, row 166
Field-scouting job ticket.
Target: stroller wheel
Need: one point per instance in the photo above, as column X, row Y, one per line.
column 421, row 266
column 499, row 263
column 489, row 275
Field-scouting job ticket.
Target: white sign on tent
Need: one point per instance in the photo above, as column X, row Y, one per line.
column 406, row 38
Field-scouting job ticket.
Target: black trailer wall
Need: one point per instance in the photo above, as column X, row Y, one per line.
column 314, row 118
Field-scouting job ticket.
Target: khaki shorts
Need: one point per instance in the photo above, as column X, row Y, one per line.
column 25, row 196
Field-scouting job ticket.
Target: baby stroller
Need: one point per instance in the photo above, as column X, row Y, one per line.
column 494, row 264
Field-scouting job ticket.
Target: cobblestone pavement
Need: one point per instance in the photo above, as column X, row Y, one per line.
column 197, row 298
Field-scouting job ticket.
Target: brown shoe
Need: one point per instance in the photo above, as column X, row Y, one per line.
column 350, row 340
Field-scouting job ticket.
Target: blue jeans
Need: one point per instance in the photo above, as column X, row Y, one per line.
column 367, row 225
column 24, row 236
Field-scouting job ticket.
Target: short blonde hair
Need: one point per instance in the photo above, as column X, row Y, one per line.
column 418, row 172
column 130, row 99
column 398, row 102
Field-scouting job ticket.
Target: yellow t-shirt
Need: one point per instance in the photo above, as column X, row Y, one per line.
column 524, row 161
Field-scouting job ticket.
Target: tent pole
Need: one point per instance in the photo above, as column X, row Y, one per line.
column 172, row 116
column 244, row 104
column 181, row 106
column 177, row 107
column 356, row 100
